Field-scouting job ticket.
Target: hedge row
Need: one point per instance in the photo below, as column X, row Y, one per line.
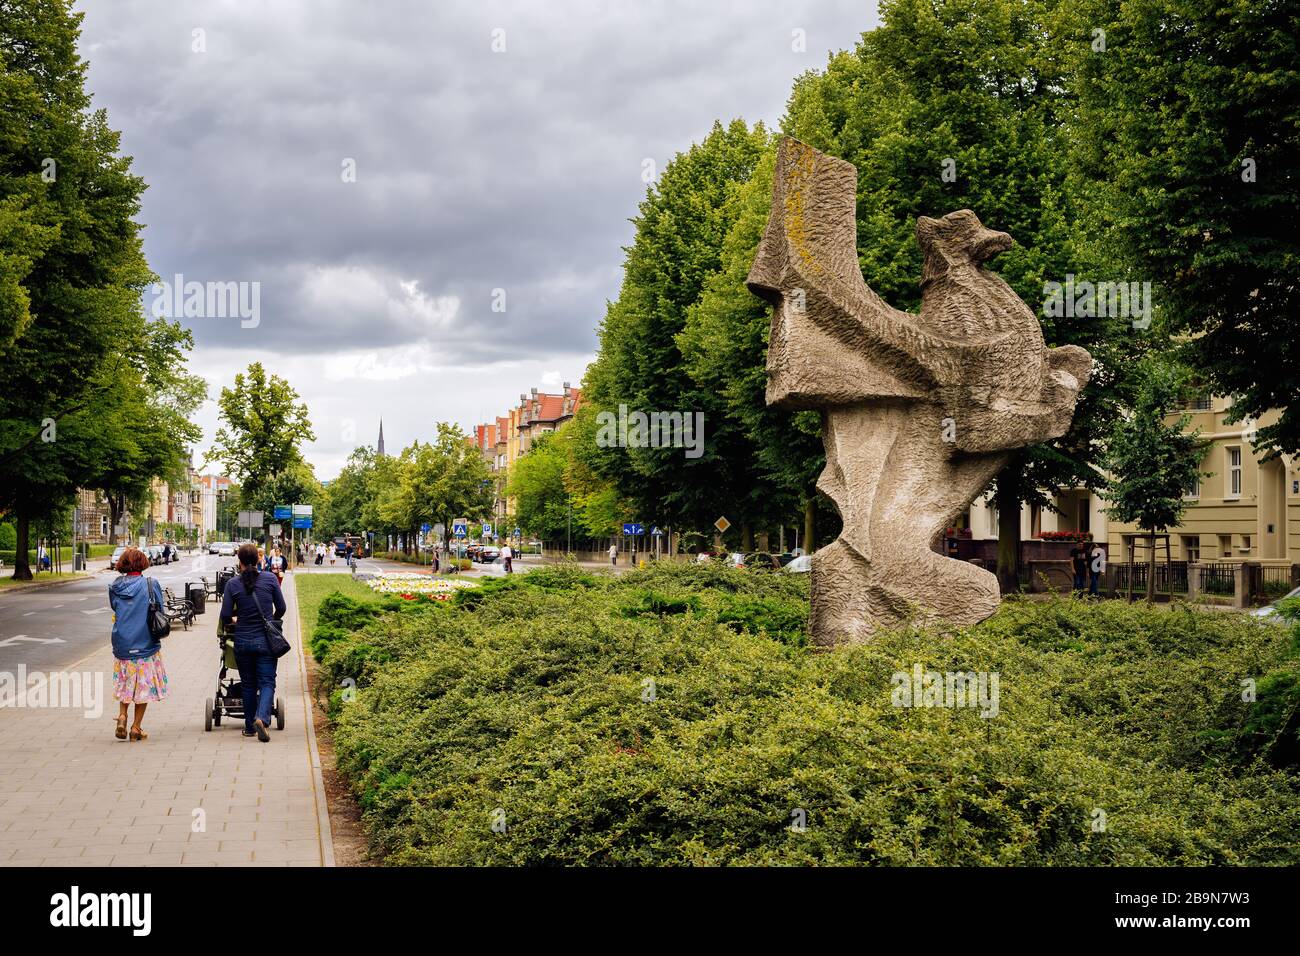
column 674, row 716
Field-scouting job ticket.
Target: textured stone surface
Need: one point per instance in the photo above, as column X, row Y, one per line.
column 919, row 411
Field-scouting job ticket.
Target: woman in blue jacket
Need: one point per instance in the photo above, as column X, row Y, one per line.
column 251, row 598
column 138, row 674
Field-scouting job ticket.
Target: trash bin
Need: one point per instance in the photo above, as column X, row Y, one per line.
column 78, row 562
column 198, row 596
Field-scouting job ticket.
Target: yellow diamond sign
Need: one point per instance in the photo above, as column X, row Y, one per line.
column 722, row 524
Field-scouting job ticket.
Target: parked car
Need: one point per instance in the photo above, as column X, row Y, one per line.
column 472, row 550
column 117, row 553
column 1270, row 610
column 762, row 560
column 487, row 554
column 800, row 565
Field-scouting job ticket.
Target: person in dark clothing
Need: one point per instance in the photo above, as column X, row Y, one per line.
column 249, row 598
column 1079, row 563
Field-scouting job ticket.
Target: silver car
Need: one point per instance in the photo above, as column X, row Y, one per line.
column 1270, row 610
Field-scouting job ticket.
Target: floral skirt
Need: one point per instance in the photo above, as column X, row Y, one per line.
column 140, row 682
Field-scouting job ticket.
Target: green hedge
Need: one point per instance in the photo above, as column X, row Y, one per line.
column 672, row 716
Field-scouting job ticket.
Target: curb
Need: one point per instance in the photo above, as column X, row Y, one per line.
column 313, row 751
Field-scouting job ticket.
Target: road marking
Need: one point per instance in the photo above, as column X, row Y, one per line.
column 57, row 606
column 28, row 613
column 7, row 642
column 98, row 610
column 86, row 598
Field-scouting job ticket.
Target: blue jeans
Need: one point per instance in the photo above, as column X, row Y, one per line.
column 1094, row 578
column 1078, row 581
column 257, row 680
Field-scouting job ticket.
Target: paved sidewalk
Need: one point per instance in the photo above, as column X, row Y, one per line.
column 72, row 794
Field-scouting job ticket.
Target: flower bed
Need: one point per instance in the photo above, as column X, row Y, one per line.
column 412, row 585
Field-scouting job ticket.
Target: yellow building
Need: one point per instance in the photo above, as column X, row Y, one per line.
column 1246, row 510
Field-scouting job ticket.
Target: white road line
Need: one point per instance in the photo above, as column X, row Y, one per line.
column 28, row 613
column 56, row 607
column 8, row 642
column 98, row 610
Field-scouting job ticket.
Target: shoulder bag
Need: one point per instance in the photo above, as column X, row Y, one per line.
column 276, row 644
column 160, row 624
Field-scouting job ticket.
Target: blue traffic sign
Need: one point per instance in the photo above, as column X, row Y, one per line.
column 487, row 530
column 517, row 531
column 425, row 528
column 631, row 527
column 302, row 522
column 460, row 530
column 282, row 511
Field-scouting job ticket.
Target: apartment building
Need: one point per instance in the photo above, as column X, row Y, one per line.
column 505, row 439
column 1247, row 509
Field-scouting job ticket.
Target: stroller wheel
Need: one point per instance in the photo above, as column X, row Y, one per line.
column 216, row 713
column 207, row 714
column 279, row 713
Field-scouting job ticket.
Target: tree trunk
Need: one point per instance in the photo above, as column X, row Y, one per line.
column 1151, row 569
column 809, row 525
column 746, row 538
column 1008, row 541
column 22, row 529
column 114, row 516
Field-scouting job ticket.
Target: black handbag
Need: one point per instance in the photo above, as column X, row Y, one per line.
column 276, row 644
column 160, row 624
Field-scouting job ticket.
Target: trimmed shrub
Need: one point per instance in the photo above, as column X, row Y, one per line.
column 700, row 737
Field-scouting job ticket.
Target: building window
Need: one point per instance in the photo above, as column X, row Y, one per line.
column 1201, row 403
column 1194, row 489
column 1245, row 543
column 1192, row 547
column 1234, row 472
column 1225, row 545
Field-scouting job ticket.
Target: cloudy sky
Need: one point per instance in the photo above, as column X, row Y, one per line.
column 387, row 172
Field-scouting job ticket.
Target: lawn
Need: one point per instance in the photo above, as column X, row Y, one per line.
column 674, row 716
column 313, row 588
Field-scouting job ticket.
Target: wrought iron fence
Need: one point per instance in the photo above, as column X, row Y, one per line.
column 1274, row 582
column 1219, row 578
column 1170, row 578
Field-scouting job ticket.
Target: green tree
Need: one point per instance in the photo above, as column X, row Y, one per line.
column 263, row 426
column 1188, row 132
column 344, row 501
column 1153, row 463
column 960, row 104
column 724, row 348
column 544, row 507
column 71, row 269
column 680, row 230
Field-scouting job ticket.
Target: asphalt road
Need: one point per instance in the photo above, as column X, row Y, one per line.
column 53, row 627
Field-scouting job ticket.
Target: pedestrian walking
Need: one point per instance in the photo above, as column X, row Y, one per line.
column 1079, row 564
column 507, row 558
column 42, row 558
column 1096, row 567
column 139, row 677
column 251, row 599
column 276, row 564
column 613, row 555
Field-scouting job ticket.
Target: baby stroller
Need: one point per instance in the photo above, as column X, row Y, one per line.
column 229, row 699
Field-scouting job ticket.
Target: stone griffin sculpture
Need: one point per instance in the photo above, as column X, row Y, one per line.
column 919, row 411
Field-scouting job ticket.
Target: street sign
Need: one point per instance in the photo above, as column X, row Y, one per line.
column 250, row 519
column 281, row 512
column 656, row 532
column 518, row 533
column 300, row 511
column 487, row 530
column 425, row 528
column 722, row 524
column 460, row 530
column 631, row 527
column 275, row 531
column 302, row 522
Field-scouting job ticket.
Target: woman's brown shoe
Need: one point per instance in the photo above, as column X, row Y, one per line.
column 138, row 734
column 260, row 728
column 120, row 733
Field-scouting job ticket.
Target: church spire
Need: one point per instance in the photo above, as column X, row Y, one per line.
column 379, row 449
